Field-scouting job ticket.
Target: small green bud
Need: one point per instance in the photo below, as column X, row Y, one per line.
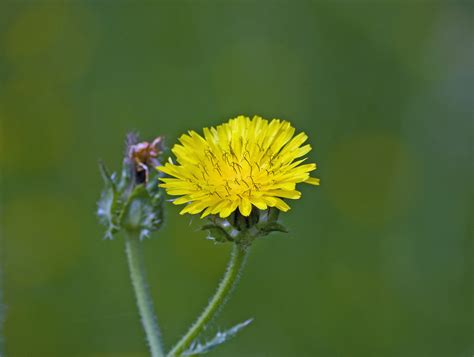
column 134, row 201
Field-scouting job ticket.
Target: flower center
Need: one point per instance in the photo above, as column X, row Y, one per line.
column 231, row 172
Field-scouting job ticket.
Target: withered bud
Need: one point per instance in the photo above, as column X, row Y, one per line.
column 143, row 155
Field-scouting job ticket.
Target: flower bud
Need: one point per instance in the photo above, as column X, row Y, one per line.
column 133, row 201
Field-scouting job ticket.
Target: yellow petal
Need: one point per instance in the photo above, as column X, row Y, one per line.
column 227, row 210
column 312, row 181
column 245, row 207
column 259, row 203
column 281, row 205
column 181, row 200
column 293, row 194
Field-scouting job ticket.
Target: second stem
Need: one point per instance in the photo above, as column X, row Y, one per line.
column 133, row 248
column 231, row 277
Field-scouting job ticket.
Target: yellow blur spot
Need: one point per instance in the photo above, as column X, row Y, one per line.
column 36, row 126
column 35, row 31
column 51, row 41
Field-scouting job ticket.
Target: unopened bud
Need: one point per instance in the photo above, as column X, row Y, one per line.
column 133, row 201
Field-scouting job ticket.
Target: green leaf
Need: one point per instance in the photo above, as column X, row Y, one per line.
column 198, row 348
column 142, row 212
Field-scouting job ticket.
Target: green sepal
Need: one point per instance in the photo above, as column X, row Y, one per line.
column 273, row 227
column 273, row 214
column 142, row 212
column 109, row 204
column 216, row 233
column 126, row 178
column 244, row 230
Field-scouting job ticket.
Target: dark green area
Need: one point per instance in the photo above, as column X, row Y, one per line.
column 379, row 258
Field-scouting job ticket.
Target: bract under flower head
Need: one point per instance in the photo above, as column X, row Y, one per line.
column 242, row 163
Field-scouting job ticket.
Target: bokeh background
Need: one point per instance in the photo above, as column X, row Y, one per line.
column 379, row 260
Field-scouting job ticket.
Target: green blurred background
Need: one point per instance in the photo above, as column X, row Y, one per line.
column 379, row 261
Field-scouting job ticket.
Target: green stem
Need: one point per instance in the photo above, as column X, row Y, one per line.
column 2, row 312
column 133, row 248
column 229, row 280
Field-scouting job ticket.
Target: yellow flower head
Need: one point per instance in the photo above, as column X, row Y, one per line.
column 238, row 164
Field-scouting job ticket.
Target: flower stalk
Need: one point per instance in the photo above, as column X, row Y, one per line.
column 134, row 251
column 2, row 313
column 133, row 203
column 228, row 282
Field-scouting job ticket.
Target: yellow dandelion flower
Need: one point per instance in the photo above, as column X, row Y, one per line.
column 242, row 163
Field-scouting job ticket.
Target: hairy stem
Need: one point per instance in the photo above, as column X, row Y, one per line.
column 231, row 277
column 2, row 313
column 133, row 248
